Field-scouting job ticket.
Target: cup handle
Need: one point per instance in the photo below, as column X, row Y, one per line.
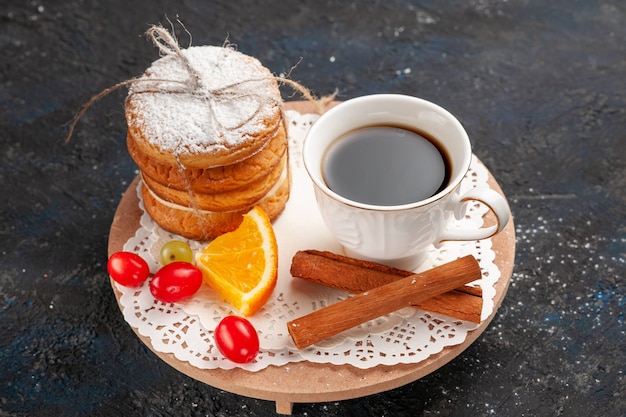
column 494, row 201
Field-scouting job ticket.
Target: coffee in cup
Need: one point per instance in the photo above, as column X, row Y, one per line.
column 386, row 165
column 386, row 171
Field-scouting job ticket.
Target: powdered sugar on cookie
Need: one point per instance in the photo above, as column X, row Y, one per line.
column 215, row 101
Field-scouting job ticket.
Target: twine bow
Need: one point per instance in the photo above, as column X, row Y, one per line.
column 193, row 86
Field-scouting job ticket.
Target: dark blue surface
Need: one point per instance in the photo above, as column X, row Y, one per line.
column 540, row 87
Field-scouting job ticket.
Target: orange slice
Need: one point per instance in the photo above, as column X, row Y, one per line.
column 242, row 265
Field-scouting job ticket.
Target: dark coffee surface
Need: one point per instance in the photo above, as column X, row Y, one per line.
column 540, row 87
column 385, row 166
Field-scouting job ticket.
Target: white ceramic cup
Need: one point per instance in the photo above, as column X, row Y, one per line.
column 398, row 235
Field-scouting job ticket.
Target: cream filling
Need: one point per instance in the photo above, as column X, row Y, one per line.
column 283, row 177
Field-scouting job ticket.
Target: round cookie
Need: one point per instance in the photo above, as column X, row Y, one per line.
column 213, row 180
column 205, row 225
column 225, row 201
column 217, row 108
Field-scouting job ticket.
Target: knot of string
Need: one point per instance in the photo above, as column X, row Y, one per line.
column 193, row 86
column 167, row 45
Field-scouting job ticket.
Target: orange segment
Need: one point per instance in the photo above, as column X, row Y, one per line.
column 242, row 265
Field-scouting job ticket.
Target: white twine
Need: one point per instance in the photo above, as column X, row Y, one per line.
column 168, row 45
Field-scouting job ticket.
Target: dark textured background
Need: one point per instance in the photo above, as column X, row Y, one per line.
column 539, row 85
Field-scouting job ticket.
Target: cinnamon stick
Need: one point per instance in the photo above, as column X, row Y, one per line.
column 368, row 305
column 355, row 276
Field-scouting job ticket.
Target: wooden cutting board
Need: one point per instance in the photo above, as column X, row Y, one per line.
column 303, row 382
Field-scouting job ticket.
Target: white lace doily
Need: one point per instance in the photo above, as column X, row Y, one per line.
column 407, row 336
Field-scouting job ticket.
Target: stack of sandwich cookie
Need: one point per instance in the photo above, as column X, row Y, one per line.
column 206, row 130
